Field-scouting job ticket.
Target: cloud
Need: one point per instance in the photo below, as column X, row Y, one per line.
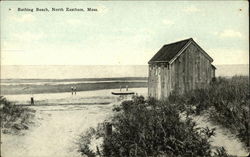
column 229, row 33
column 168, row 22
column 191, row 9
column 20, row 43
column 24, row 18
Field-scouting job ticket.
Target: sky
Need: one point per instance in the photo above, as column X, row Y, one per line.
column 121, row 32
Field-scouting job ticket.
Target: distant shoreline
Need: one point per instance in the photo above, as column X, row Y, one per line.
column 39, row 89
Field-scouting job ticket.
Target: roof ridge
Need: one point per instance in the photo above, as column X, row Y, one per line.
column 178, row 41
column 169, row 51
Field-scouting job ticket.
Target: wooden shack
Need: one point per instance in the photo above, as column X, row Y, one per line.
column 180, row 67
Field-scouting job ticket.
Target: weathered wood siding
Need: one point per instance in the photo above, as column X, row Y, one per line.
column 189, row 71
column 159, row 80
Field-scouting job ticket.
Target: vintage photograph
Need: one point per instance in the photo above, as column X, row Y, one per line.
column 125, row 79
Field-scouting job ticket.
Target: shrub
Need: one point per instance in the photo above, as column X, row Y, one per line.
column 225, row 100
column 221, row 152
column 14, row 118
column 85, row 142
column 153, row 128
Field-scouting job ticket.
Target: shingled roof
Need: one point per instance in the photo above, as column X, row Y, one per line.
column 169, row 51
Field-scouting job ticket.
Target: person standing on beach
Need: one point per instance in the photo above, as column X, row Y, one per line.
column 72, row 90
column 75, row 90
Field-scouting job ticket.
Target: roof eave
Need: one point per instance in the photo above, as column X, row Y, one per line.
column 152, row 62
column 213, row 66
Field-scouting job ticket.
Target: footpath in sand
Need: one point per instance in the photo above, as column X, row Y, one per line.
column 58, row 127
column 222, row 138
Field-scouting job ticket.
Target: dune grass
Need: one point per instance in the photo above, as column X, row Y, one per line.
column 14, row 118
column 156, row 128
column 149, row 128
column 226, row 101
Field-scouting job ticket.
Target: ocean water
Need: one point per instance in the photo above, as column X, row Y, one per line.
column 97, row 71
column 67, row 72
column 231, row 70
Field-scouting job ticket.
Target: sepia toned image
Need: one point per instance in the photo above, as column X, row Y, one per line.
column 125, row 78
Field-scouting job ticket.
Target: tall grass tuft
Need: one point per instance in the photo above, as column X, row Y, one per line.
column 14, row 118
column 153, row 128
column 226, row 100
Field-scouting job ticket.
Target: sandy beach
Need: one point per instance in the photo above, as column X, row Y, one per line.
column 57, row 127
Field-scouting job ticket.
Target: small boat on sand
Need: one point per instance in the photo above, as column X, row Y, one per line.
column 123, row 92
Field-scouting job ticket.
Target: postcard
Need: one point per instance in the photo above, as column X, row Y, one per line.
column 124, row 78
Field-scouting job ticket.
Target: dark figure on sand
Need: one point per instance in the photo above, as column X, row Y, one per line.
column 72, row 90
column 75, row 90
